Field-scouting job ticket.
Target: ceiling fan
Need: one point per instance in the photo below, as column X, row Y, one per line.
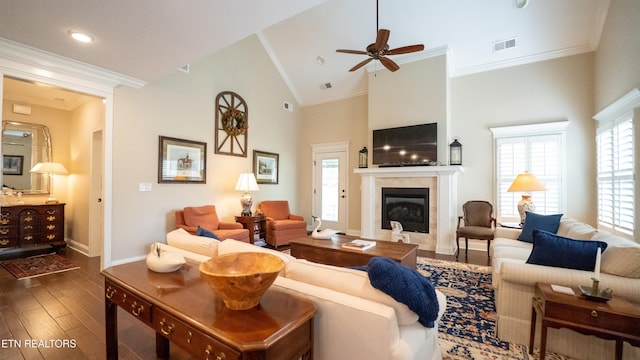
column 380, row 49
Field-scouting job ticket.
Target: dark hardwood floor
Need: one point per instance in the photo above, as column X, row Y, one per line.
column 61, row 316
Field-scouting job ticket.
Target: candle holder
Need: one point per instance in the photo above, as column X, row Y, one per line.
column 594, row 293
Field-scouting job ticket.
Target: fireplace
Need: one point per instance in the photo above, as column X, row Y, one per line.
column 442, row 182
column 408, row 206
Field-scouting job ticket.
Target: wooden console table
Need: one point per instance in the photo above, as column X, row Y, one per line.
column 331, row 252
column 617, row 319
column 183, row 309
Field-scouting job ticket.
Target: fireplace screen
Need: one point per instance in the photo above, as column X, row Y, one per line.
column 409, row 206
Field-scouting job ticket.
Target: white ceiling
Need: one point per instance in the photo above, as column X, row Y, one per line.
column 147, row 39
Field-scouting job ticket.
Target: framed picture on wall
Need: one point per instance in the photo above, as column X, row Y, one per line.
column 182, row 161
column 12, row 164
column 265, row 167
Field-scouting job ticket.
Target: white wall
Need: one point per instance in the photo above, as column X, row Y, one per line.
column 183, row 106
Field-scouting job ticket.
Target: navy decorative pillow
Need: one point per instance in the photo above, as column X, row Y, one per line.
column 554, row 250
column 200, row 231
column 407, row 286
column 535, row 221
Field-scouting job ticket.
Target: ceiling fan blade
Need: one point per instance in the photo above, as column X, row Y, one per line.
column 359, row 52
column 389, row 64
column 361, row 64
column 405, row 50
column 381, row 39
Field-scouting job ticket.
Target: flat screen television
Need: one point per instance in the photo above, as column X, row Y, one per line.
column 406, row 146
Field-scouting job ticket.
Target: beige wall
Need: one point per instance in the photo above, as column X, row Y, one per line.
column 617, row 64
column 415, row 94
column 547, row 91
column 84, row 120
column 182, row 105
column 344, row 120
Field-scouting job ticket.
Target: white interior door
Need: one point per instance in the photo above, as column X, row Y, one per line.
column 330, row 189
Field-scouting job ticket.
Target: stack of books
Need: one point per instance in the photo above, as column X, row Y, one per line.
column 359, row 244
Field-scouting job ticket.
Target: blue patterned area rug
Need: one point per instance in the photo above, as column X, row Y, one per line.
column 467, row 328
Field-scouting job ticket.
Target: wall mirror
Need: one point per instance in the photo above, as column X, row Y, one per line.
column 23, row 146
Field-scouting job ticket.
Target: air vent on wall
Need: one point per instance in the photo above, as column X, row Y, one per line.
column 504, row 44
column 326, row 86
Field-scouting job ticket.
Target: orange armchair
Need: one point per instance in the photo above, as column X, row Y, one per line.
column 282, row 226
column 206, row 217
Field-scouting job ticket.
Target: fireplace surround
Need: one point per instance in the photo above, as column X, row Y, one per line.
column 442, row 182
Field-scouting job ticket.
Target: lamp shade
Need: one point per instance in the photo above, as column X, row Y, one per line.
column 53, row 168
column 526, row 182
column 247, row 182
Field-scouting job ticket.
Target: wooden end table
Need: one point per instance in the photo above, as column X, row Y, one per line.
column 257, row 224
column 331, row 252
column 183, row 310
column 617, row 319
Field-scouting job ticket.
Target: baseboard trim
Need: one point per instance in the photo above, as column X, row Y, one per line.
column 81, row 248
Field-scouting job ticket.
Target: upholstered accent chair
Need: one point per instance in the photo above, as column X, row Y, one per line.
column 206, row 217
column 282, row 226
column 476, row 223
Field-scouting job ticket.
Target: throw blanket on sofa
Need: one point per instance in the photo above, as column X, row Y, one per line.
column 405, row 285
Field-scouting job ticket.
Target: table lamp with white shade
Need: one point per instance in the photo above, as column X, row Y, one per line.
column 246, row 182
column 51, row 169
column 526, row 183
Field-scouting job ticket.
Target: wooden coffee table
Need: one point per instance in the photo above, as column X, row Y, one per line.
column 330, row 251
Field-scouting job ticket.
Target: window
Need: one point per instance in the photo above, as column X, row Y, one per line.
column 615, row 175
column 615, row 167
column 538, row 149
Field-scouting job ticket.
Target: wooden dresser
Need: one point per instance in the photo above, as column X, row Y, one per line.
column 23, row 226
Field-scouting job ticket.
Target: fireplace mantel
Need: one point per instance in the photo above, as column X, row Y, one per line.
column 446, row 178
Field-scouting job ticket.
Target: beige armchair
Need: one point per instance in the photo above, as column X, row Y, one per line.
column 282, row 226
column 479, row 223
column 206, row 217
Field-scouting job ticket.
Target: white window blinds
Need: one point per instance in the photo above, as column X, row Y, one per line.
column 615, row 175
column 542, row 156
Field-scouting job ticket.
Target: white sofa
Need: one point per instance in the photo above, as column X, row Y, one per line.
column 353, row 319
column 514, row 283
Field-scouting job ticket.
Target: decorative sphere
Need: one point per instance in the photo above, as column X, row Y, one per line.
column 240, row 279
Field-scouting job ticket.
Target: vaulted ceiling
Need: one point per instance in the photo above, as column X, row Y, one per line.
column 147, row 39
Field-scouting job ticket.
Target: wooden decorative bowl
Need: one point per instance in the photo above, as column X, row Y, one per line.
column 240, row 279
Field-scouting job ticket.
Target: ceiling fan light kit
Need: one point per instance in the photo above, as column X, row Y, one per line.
column 380, row 50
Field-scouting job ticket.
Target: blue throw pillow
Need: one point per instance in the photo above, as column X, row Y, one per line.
column 535, row 221
column 200, row 231
column 554, row 250
column 407, row 286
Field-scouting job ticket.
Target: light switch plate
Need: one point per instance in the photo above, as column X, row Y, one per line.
column 144, row 187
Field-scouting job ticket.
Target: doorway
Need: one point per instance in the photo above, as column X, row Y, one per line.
column 69, row 111
column 330, row 186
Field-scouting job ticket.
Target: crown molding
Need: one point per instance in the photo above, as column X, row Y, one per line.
column 29, row 63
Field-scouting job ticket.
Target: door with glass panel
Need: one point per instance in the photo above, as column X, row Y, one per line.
column 330, row 189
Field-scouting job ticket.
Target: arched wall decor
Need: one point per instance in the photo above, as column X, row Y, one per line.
column 232, row 124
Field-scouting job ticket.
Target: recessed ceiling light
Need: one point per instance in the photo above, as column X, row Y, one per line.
column 81, row 36
column 320, row 60
column 520, row 4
